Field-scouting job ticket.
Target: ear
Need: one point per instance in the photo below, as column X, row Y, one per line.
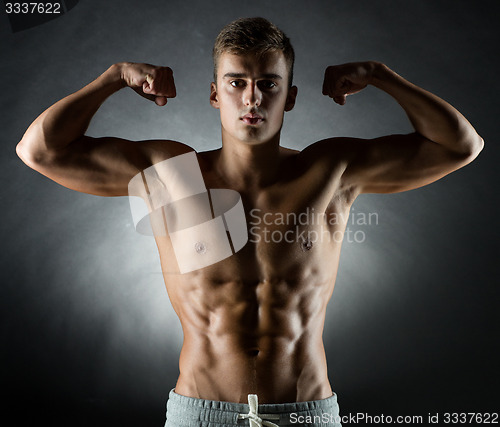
column 214, row 100
column 290, row 98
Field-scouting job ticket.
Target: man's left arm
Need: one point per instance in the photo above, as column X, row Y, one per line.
column 443, row 141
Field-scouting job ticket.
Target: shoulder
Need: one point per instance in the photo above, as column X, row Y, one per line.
column 157, row 150
column 329, row 159
column 333, row 154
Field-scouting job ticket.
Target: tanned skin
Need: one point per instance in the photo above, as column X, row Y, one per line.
column 253, row 322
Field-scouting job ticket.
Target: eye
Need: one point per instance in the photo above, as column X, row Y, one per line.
column 266, row 84
column 237, row 83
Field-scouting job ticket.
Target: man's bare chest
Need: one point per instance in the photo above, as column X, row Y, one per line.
column 291, row 224
column 204, row 220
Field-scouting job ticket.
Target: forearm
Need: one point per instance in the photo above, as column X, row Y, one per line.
column 432, row 117
column 68, row 119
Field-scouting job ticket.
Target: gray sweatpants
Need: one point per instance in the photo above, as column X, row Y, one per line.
column 185, row 411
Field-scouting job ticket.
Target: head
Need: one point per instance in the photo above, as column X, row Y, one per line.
column 255, row 36
column 253, row 68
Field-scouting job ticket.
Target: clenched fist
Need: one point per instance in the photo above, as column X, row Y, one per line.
column 150, row 81
column 346, row 79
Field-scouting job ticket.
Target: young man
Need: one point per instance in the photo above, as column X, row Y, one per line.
column 253, row 321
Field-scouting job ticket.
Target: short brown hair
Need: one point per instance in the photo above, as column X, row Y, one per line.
column 256, row 36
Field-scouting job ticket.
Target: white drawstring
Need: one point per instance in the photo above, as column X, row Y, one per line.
column 253, row 414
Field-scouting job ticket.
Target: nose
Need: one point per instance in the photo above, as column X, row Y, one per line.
column 252, row 96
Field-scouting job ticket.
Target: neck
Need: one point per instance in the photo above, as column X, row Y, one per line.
column 247, row 165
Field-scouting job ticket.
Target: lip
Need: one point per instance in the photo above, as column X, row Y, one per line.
column 252, row 119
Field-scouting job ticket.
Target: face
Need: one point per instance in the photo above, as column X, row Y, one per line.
column 252, row 95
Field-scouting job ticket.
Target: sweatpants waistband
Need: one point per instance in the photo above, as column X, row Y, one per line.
column 183, row 411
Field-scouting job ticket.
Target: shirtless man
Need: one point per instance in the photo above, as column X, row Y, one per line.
column 253, row 322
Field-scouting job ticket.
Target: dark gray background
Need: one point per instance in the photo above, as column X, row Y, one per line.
column 88, row 333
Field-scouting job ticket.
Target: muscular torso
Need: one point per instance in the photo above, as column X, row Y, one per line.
column 253, row 322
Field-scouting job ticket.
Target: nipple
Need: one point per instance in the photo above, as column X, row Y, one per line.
column 200, row 248
column 306, row 245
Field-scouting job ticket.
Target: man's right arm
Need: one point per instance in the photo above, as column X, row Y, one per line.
column 55, row 144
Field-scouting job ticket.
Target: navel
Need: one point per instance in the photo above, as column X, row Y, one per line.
column 253, row 352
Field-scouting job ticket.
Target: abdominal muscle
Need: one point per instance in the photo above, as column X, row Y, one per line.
column 253, row 336
column 275, row 370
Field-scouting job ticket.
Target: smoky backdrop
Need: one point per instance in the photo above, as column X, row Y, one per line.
column 88, row 334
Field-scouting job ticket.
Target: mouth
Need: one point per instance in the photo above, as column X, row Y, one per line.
column 252, row 119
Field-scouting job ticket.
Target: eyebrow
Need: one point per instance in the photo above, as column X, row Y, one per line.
column 244, row 75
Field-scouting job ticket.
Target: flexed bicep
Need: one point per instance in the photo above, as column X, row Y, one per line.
column 55, row 143
column 104, row 166
column 398, row 163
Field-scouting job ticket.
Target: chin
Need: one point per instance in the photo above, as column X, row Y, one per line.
column 253, row 136
column 257, row 136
